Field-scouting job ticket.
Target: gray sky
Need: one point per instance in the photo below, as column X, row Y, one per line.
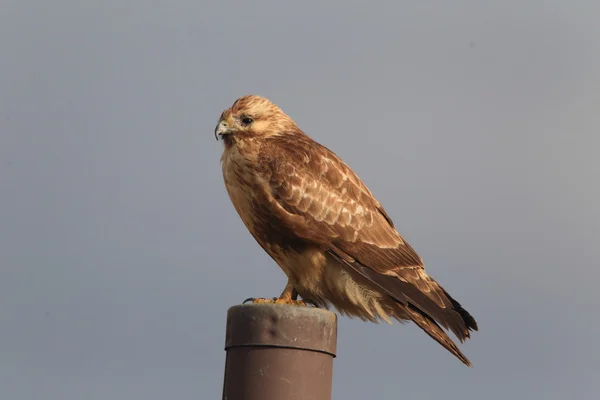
column 477, row 126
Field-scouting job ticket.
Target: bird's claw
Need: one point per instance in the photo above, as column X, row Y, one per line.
column 276, row 300
column 259, row 300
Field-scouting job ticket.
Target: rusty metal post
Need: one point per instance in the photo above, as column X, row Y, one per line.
column 279, row 352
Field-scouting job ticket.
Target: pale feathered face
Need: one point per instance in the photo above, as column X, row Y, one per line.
column 252, row 117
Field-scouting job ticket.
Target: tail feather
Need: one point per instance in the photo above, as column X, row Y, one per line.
column 421, row 309
column 435, row 332
column 470, row 322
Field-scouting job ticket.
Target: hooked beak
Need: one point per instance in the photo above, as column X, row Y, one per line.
column 222, row 129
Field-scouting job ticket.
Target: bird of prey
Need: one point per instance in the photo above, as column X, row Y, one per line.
column 324, row 228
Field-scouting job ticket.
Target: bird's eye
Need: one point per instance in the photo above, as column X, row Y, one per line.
column 247, row 120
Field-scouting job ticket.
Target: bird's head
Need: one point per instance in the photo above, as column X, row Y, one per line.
column 252, row 117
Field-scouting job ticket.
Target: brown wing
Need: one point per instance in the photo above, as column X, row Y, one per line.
column 338, row 212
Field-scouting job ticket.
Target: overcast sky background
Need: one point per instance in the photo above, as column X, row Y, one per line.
column 477, row 126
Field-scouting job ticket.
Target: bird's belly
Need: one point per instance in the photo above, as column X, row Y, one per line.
column 321, row 278
column 304, row 267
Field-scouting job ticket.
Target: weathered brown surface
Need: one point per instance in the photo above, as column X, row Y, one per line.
column 279, row 352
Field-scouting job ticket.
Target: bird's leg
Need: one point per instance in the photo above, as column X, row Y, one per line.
column 288, row 296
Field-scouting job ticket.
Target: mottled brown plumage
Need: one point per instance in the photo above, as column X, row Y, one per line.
column 324, row 228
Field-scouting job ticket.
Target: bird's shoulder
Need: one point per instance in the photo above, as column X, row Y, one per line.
column 309, row 179
column 297, row 155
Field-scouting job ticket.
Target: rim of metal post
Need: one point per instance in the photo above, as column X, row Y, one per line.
column 280, row 325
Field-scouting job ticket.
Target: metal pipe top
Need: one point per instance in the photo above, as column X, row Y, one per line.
column 278, row 325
